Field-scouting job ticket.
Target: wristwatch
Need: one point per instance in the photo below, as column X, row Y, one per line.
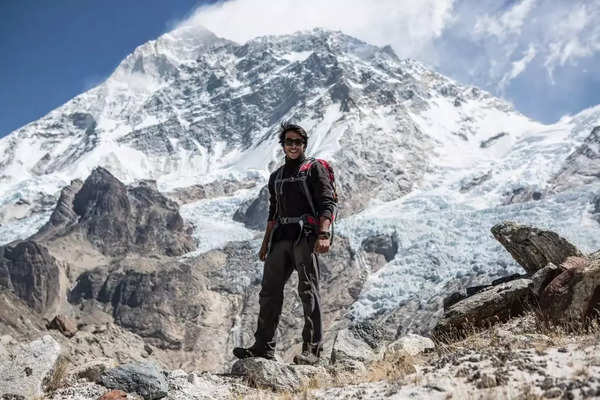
column 324, row 235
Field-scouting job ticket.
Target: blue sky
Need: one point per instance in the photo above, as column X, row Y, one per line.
column 542, row 55
column 53, row 50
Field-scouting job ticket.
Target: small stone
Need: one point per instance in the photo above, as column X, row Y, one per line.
column 191, row 378
column 114, row 395
column 486, row 381
column 148, row 348
column 64, row 325
column 562, row 350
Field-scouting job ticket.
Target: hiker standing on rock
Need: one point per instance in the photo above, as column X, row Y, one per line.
column 302, row 206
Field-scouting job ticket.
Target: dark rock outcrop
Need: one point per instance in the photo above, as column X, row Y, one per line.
column 386, row 245
column 254, row 213
column 63, row 215
column 533, row 248
column 118, row 219
column 31, row 273
column 64, row 325
column 154, row 305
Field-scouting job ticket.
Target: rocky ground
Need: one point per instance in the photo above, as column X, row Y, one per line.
column 520, row 359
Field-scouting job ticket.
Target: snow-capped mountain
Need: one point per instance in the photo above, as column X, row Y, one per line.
column 415, row 152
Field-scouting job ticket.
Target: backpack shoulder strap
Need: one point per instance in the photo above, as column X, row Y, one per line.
column 305, row 170
column 278, row 176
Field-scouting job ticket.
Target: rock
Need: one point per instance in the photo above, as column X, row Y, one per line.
column 532, row 248
column 147, row 303
column 144, row 379
column 411, row 344
column 574, row 294
column 453, row 299
column 262, row 373
column 63, row 215
column 114, row 395
column 27, row 369
column 64, row 325
column 92, row 371
column 31, row 273
column 253, row 213
column 596, row 211
column 118, row 219
column 553, row 393
column 386, row 245
column 486, row 381
column 493, row 305
column 543, row 277
column 349, row 346
column 217, row 188
column 581, row 167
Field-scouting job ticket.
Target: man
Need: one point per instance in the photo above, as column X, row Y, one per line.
column 293, row 235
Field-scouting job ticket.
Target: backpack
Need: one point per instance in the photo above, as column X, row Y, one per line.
column 303, row 172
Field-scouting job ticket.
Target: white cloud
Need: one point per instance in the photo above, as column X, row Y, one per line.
column 410, row 27
column 517, row 67
column 510, row 22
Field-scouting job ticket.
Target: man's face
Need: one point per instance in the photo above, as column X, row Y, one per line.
column 293, row 145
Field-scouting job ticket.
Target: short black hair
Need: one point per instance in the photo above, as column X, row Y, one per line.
column 288, row 126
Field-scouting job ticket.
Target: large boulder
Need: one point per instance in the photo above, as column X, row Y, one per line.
column 533, row 248
column 262, row 373
column 494, row 304
column 144, row 379
column 29, row 271
column 575, row 293
column 27, row 369
column 350, row 347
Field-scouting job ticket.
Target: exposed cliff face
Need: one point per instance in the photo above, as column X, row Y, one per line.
column 31, row 273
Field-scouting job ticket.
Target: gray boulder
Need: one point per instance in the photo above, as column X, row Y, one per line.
column 485, row 308
column 533, row 248
column 144, row 379
column 27, row 369
column 349, row 347
column 386, row 245
column 262, row 373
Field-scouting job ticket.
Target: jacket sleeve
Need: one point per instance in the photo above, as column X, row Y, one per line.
column 321, row 190
column 272, row 198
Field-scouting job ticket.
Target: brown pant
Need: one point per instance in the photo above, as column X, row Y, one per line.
column 284, row 257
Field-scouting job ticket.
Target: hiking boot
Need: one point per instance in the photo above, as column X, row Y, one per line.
column 253, row 351
column 306, row 358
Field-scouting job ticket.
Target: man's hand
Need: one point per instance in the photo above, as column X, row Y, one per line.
column 262, row 254
column 322, row 245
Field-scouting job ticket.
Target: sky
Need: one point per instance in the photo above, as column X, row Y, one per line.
column 542, row 55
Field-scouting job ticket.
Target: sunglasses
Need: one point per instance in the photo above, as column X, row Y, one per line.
column 291, row 142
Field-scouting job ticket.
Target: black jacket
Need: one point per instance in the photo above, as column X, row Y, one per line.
column 293, row 202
